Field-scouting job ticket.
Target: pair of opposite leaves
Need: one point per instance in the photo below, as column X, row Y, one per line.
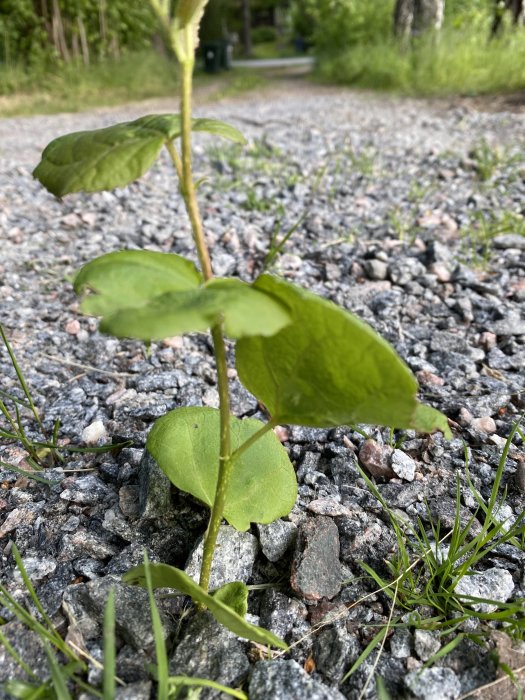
column 308, row 361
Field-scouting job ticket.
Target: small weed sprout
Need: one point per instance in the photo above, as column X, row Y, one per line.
column 305, row 359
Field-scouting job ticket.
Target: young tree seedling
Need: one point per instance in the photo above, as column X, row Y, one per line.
column 308, row 361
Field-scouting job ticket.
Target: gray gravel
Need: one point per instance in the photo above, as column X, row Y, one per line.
column 390, row 195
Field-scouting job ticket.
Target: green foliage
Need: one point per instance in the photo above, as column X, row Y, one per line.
column 461, row 60
column 185, row 443
column 328, row 368
column 70, row 29
column 151, row 296
column 103, row 159
column 164, row 576
column 334, row 25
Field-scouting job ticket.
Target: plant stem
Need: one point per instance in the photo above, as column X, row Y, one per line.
column 225, row 460
column 188, row 186
column 219, row 347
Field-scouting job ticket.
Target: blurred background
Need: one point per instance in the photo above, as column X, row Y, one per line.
column 72, row 54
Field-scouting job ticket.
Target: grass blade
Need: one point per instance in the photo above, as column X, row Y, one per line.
column 158, row 633
column 57, row 676
column 29, row 475
column 181, row 681
column 20, row 376
column 109, row 647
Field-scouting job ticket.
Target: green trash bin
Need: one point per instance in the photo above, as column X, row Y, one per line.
column 212, row 53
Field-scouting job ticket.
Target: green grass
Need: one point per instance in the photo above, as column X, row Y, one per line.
column 134, row 77
column 477, row 236
column 459, row 62
column 72, row 87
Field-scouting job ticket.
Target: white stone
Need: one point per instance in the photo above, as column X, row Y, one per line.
column 493, row 584
column 402, row 465
column 94, row 432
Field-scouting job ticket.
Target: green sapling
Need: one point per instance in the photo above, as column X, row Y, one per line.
column 308, row 361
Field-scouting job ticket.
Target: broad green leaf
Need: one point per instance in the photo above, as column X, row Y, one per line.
column 185, row 444
column 164, row 576
column 129, row 278
column 329, row 368
column 103, row 159
column 244, row 310
column 234, row 595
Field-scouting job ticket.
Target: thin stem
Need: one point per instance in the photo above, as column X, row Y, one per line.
column 188, row 186
column 174, row 154
column 225, row 460
column 188, row 190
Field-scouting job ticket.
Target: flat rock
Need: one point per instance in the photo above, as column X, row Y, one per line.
column 316, row 570
column 209, row 650
column 233, row 560
column 509, row 240
column 433, row 684
column 492, row 584
column 286, row 680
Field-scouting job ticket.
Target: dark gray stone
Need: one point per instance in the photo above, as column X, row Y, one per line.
column 334, row 652
column 316, row 570
column 132, row 610
column 88, row 490
column 279, row 613
column 30, row 648
column 433, row 684
column 208, row 650
column 155, row 489
column 286, row 680
column 277, row 538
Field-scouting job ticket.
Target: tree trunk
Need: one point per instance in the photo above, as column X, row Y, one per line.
column 414, row 17
column 246, row 28
column 403, row 18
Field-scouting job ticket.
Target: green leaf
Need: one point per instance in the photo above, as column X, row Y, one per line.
column 164, row 576
column 130, row 278
column 102, row 159
column 219, row 128
column 234, row 595
column 185, row 444
column 329, row 368
column 138, row 302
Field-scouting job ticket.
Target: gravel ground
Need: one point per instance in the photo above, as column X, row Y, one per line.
column 412, row 217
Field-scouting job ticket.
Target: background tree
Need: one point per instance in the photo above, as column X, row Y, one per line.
column 415, row 17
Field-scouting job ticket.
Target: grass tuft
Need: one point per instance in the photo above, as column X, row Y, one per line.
column 458, row 62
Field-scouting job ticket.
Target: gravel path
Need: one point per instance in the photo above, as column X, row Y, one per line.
column 411, row 217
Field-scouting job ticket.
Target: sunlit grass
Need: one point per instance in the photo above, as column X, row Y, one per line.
column 457, row 62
